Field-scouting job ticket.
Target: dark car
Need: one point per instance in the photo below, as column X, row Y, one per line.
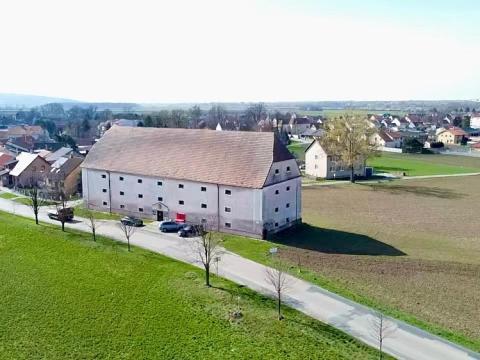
column 61, row 214
column 170, row 226
column 132, row 221
column 190, row 230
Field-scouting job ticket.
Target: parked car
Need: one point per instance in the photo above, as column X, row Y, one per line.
column 61, row 214
column 132, row 221
column 190, row 230
column 170, row 226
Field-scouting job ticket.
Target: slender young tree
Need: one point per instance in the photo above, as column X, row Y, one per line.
column 207, row 247
column 128, row 231
column 34, row 199
column 91, row 222
column 349, row 138
column 277, row 277
column 381, row 329
column 61, row 207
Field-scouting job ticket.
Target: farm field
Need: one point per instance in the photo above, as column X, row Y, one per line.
column 65, row 296
column 408, row 247
column 422, row 164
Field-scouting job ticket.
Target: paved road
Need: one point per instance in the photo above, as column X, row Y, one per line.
column 405, row 341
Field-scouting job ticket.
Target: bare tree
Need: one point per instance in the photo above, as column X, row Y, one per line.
column 128, row 231
column 34, row 199
column 91, row 222
column 61, row 207
column 381, row 329
column 277, row 277
column 207, row 247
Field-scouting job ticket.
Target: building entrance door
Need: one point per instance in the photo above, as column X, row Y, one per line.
column 159, row 215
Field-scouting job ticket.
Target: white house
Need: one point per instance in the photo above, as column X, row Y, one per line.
column 320, row 164
column 239, row 182
column 475, row 121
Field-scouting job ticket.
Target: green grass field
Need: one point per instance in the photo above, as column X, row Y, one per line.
column 7, row 195
column 99, row 215
column 297, row 148
column 421, row 164
column 67, row 297
column 408, row 247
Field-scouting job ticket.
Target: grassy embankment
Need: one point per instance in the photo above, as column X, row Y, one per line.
column 64, row 296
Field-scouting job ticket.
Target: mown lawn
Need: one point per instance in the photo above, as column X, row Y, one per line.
column 7, row 195
column 421, row 164
column 409, row 247
column 99, row 215
column 297, row 148
column 64, row 297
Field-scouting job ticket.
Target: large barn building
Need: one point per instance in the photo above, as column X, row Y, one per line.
column 239, row 182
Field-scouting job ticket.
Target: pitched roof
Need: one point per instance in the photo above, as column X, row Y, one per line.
column 65, row 166
column 24, row 161
column 236, row 158
column 63, row 151
column 456, row 131
column 5, row 159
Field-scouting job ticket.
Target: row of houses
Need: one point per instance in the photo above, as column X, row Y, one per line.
column 54, row 173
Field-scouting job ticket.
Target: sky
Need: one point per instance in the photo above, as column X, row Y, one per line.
column 154, row 51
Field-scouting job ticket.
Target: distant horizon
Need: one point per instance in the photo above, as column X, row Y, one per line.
column 67, row 100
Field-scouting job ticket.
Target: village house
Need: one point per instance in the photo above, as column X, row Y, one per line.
column 451, row 136
column 240, row 182
column 30, row 169
column 321, row 164
column 64, row 177
column 475, row 121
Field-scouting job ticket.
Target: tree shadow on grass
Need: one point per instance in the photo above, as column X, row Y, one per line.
column 330, row 241
column 427, row 191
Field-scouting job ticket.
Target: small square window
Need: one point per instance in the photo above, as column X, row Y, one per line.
column 287, row 220
column 104, row 190
column 180, row 186
column 277, row 171
column 288, row 188
column 140, row 196
column 122, row 206
column 277, row 192
column 288, row 168
column 120, row 178
column 227, row 209
column 159, row 183
column 140, row 209
column 276, row 209
column 288, row 205
column 104, row 176
column 160, row 198
column 181, row 202
column 122, row 193
column 204, row 206
column 203, row 188
column 228, row 225
column 105, row 203
column 228, row 192
column 276, row 224
column 140, row 181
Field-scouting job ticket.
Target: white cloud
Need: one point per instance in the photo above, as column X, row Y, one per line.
column 223, row 51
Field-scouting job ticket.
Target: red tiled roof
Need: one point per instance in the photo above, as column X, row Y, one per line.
column 5, row 158
column 456, row 131
column 235, row 158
